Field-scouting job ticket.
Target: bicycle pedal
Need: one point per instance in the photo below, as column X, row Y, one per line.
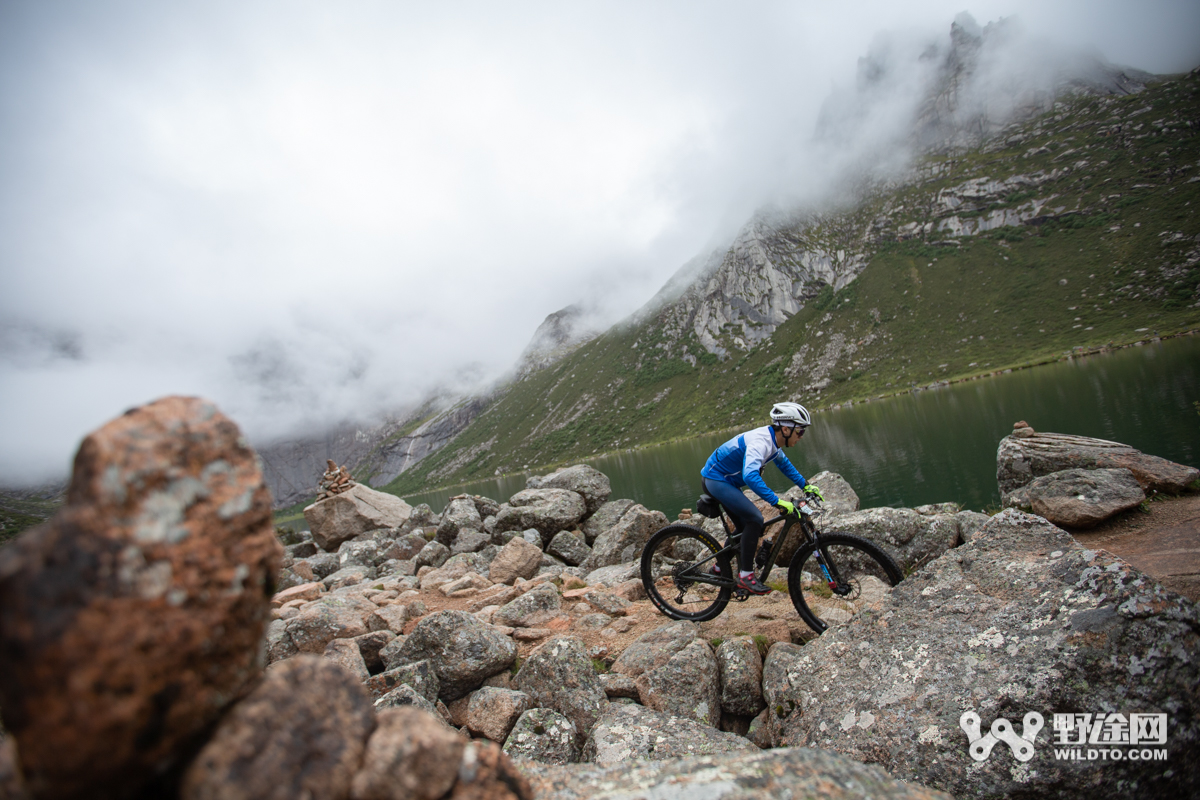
column 741, row 595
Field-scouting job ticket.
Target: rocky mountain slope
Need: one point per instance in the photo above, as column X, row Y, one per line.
column 1070, row 231
column 1051, row 211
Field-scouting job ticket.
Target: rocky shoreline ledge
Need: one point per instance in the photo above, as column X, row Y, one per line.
column 157, row 640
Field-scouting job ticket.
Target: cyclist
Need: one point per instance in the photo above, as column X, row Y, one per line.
column 739, row 463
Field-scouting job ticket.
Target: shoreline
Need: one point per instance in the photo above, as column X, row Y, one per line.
column 1081, row 351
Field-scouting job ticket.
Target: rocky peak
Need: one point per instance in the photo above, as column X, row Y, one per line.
column 993, row 76
column 560, row 334
column 739, row 296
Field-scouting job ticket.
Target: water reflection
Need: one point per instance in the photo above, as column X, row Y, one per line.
column 940, row 445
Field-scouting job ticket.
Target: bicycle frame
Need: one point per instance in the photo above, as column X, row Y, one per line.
column 699, row 571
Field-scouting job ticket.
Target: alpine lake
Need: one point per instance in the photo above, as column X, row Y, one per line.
column 939, row 444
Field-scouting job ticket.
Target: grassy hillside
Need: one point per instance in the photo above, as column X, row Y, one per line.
column 1111, row 260
column 21, row 510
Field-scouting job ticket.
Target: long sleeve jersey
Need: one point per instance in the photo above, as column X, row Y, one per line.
column 740, row 461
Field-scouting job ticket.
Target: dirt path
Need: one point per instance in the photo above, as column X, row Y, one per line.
column 1163, row 541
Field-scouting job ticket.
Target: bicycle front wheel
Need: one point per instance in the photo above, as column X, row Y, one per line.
column 678, row 573
column 837, row 577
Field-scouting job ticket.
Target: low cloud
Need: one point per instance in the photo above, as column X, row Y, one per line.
column 311, row 213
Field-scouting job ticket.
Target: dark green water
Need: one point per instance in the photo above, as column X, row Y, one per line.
column 940, row 445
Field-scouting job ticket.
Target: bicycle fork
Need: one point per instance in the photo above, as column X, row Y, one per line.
column 830, row 572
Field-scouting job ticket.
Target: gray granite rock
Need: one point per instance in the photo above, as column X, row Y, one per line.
column 433, row 554
column 1083, row 498
column 1019, row 620
column 559, row 674
column 1026, row 454
column 462, row 651
column 406, row 547
column 688, row 685
column 546, row 510
column 909, row 537
column 736, row 775
column 631, row 732
column 460, row 513
column 740, row 668
column 623, row 542
column 470, row 541
column 614, row 575
column 419, row 675
column 655, row 648
column 608, row 515
column 362, row 552
column 588, row 482
column 534, row 608
column 569, row 547
column 405, row 695
column 545, row 736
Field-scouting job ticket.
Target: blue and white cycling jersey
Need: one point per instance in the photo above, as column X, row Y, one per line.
column 740, row 461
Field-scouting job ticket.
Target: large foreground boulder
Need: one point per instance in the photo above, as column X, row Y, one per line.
column 1020, row 620
column 300, row 733
column 688, row 685
column 352, row 513
column 1026, row 454
column 133, row 618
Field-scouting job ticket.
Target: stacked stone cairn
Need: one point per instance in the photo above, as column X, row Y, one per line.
column 335, row 481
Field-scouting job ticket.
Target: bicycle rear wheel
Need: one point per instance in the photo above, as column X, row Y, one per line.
column 676, row 565
column 859, row 574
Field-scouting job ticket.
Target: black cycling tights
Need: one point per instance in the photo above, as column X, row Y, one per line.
column 747, row 519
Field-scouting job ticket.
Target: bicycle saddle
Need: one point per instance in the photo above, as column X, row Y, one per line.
column 708, row 506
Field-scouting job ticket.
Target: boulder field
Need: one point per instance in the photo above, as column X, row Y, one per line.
column 158, row 639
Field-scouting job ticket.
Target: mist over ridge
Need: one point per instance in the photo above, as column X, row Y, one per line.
column 307, row 256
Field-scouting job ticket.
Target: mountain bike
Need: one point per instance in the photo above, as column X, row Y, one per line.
column 689, row 575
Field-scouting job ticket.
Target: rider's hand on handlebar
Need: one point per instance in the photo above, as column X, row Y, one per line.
column 814, row 490
column 785, row 506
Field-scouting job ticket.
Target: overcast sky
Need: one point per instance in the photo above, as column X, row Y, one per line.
column 305, row 211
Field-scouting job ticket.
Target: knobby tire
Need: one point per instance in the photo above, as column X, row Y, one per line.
column 669, row 558
column 853, row 557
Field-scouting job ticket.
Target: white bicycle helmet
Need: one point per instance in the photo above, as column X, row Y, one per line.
column 790, row 414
